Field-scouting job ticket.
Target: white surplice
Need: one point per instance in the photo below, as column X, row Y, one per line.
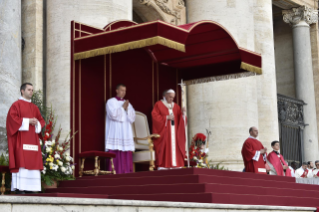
column 300, row 172
column 27, row 180
column 118, row 129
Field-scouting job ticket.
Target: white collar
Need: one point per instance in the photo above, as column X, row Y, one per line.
column 21, row 98
column 169, row 106
column 252, row 137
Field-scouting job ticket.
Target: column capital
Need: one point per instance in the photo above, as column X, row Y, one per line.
column 301, row 14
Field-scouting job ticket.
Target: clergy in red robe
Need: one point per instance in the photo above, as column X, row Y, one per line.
column 280, row 167
column 24, row 122
column 169, row 122
column 254, row 153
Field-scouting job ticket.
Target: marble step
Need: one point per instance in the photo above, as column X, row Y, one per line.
column 225, row 198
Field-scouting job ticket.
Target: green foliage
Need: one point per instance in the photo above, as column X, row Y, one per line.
column 37, row 99
column 4, row 160
column 217, row 166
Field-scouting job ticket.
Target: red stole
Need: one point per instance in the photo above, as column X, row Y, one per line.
column 305, row 173
column 277, row 163
column 318, row 174
column 19, row 157
column 163, row 145
column 248, row 152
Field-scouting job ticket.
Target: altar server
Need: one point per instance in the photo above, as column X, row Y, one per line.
column 316, row 171
column 276, row 160
column 169, row 122
column 24, row 122
column 120, row 114
column 254, row 153
column 303, row 172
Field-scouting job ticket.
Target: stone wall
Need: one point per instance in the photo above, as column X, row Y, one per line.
column 285, row 75
column 57, row 204
column 226, row 108
column 10, row 60
column 60, row 13
column 32, row 33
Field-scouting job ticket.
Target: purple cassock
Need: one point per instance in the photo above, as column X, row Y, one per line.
column 118, row 135
column 123, row 162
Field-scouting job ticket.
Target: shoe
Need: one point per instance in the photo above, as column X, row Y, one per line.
column 30, row 192
column 19, row 192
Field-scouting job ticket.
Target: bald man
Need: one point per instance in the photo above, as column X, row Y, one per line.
column 254, row 153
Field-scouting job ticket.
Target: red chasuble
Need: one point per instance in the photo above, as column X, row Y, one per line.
column 248, row 152
column 22, row 144
column 165, row 148
column 277, row 163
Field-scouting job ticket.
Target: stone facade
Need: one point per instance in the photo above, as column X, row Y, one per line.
column 30, row 204
column 60, row 13
column 285, row 75
column 32, row 34
column 10, row 60
column 231, row 107
column 226, row 108
column 172, row 11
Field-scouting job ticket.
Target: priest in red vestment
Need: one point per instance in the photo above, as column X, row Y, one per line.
column 24, row 122
column 169, row 122
column 277, row 161
column 254, row 153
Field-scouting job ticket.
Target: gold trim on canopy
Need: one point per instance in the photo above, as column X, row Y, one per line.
column 250, row 68
column 131, row 45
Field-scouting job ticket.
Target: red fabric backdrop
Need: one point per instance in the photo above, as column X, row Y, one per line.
column 95, row 81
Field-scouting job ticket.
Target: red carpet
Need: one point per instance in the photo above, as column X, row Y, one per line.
column 195, row 185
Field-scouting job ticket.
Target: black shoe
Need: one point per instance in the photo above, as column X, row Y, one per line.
column 30, row 192
column 19, row 192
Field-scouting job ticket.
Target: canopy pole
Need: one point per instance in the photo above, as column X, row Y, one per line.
column 185, row 124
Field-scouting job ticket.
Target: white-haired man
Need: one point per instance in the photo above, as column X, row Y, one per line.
column 169, row 122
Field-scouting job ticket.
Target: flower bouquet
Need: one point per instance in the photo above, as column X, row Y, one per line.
column 57, row 163
column 198, row 151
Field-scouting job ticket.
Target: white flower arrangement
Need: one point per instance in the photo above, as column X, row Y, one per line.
column 48, row 149
column 63, row 169
column 57, row 156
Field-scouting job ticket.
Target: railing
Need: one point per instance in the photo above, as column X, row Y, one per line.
column 291, row 126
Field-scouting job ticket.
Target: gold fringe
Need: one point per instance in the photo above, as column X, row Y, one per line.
column 131, row 45
column 250, row 68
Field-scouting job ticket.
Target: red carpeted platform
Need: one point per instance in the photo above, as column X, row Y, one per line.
column 195, row 185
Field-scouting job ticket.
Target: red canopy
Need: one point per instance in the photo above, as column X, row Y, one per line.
column 202, row 43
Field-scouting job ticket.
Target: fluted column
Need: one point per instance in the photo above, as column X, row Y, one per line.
column 300, row 19
column 32, row 33
column 10, row 60
column 60, row 13
column 226, row 108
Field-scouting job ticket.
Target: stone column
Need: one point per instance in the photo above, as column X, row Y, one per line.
column 10, row 60
column 60, row 13
column 32, row 33
column 226, row 108
column 266, row 83
column 300, row 19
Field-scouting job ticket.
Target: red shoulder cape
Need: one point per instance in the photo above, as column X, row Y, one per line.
column 275, row 161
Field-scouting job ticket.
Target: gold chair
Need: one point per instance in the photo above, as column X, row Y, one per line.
column 144, row 148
